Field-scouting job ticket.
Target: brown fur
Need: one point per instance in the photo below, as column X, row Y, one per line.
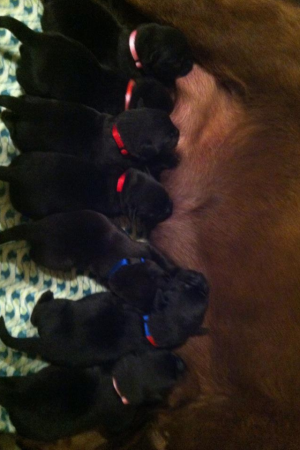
column 237, row 219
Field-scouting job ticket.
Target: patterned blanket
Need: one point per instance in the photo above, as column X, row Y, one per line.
column 21, row 281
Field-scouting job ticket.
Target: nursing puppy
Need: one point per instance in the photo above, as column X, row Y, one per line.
column 131, row 139
column 46, row 183
column 101, row 327
column 54, row 66
column 59, row 402
column 162, row 51
column 89, row 241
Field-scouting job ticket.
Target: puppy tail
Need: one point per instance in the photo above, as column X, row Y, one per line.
column 11, row 103
column 17, row 28
column 4, row 334
column 18, row 233
column 32, row 345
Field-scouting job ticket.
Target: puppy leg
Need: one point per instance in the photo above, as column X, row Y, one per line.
column 31, row 346
column 29, row 83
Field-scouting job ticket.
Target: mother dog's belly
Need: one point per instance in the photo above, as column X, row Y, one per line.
column 221, row 227
column 207, row 117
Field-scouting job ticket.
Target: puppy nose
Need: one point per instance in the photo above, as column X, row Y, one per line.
column 169, row 210
column 175, row 133
column 186, row 67
column 205, row 286
column 180, row 364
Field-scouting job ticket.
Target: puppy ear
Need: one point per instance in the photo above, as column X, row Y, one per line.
column 160, row 301
column 46, row 297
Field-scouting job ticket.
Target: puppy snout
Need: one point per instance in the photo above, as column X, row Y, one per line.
column 174, row 138
column 195, row 281
column 186, row 67
column 205, row 286
column 169, row 210
column 201, row 285
column 164, row 213
column 175, row 133
column 180, row 365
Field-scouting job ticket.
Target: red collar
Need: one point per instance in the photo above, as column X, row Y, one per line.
column 132, row 49
column 118, row 140
column 148, row 335
column 124, row 399
column 120, row 182
column 131, row 84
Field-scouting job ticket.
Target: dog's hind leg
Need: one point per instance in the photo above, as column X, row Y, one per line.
column 27, row 82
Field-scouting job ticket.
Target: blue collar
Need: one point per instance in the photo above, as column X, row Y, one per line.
column 147, row 331
column 119, row 264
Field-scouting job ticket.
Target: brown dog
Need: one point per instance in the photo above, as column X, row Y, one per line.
column 237, row 219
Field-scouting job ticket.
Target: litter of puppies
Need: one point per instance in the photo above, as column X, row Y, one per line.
column 110, row 353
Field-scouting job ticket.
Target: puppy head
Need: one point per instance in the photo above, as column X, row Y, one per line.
column 138, row 282
column 163, row 52
column 147, row 133
column 179, row 310
column 143, row 197
column 147, row 377
column 150, row 93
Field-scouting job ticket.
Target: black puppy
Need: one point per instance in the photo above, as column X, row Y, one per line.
column 54, row 66
column 89, row 241
column 131, row 139
column 60, row 402
column 156, row 50
column 46, row 183
column 101, row 327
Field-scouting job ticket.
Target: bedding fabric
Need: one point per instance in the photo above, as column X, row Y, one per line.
column 21, row 281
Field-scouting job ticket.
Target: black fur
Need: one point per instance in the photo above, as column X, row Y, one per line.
column 89, row 241
column 54, row 66
column 37, row 124
column 138, row 282
column 60, row 402
column 163, row 50
column 101, row 327
column 46, row 183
